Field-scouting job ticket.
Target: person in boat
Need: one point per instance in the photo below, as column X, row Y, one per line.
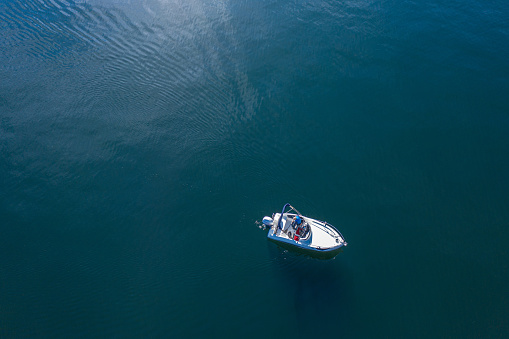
column 300, row 226
column 296, row 222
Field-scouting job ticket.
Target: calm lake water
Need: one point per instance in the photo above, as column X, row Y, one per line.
column 141, row 141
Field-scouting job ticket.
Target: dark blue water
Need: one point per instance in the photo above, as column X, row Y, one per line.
column 141, row 141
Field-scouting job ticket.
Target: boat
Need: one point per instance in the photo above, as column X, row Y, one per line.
column 298, row 232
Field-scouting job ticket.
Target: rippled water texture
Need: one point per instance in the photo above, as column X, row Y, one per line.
column 140, row 141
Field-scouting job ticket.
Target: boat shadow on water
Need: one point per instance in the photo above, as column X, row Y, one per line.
column 320, row 289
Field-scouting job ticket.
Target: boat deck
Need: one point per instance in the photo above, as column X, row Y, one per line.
column 321, row 237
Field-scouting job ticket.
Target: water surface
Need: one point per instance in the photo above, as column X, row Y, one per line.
column 140, row 142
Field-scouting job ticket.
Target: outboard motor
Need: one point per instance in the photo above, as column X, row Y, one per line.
column 267, row 221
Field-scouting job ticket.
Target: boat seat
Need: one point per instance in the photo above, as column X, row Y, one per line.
column 286, row 224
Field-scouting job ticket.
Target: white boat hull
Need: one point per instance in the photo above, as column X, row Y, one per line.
column 323, row 239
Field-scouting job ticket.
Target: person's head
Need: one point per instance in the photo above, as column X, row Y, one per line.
column 298, row 220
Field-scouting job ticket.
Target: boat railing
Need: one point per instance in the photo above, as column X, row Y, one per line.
column 331, row 230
